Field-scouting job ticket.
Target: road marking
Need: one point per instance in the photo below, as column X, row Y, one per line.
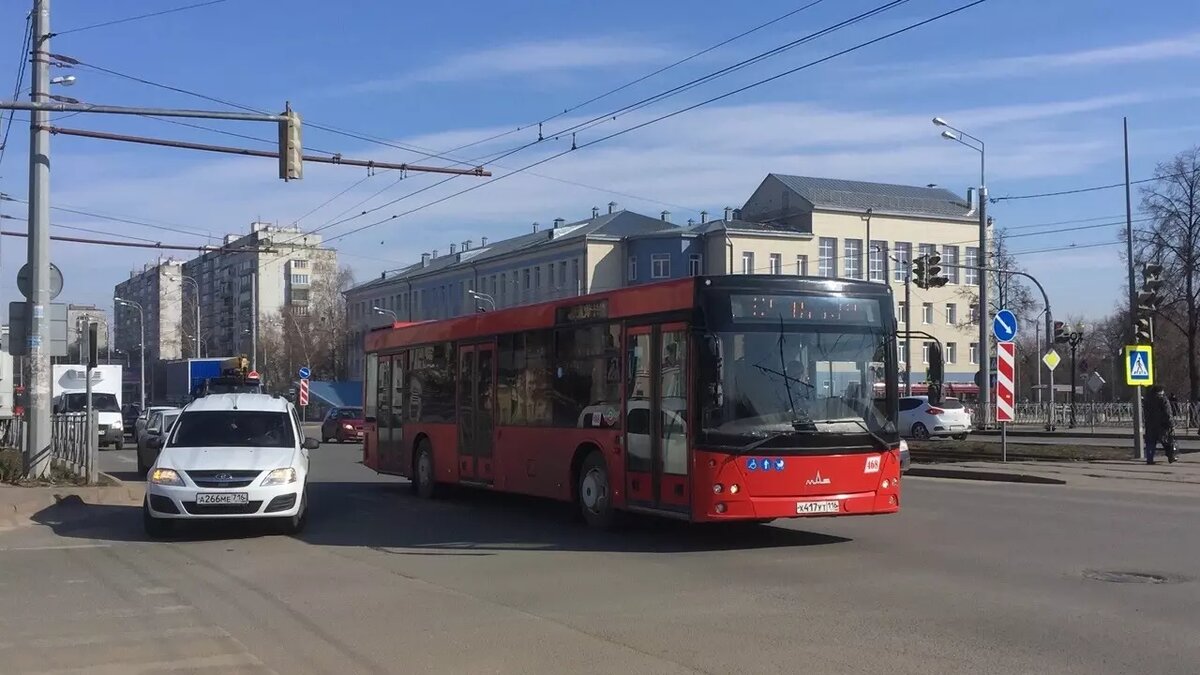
column 56, row 547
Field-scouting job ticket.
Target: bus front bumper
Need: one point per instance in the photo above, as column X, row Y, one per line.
column 744, row 507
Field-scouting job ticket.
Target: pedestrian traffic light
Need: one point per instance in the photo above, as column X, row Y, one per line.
column 933, row 272
column 291, row 154
column 919, row 273
column 1060, row 333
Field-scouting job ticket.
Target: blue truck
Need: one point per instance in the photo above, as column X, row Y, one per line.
column 185, row 375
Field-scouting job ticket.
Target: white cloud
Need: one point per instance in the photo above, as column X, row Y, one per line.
column 1175, row 48
column 707, row 159
column 527, row 58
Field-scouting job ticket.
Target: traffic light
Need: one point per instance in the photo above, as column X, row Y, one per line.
column 919, row 272
column 1060, row 333
column 1151, row 296
column 291, row 154
column 933, row 272
column 1141, row 330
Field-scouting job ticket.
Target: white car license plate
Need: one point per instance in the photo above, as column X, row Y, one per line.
column 223, row 498
column 806, row 508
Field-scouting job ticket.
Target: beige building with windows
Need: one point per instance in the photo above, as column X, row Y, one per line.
column 790, row 225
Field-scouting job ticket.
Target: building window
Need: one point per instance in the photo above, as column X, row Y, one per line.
column 562, row 274
column 695, row 266
column 951, row 352
column 926, row 249
column 300, row 279
column 575, row 273
column 972, row 264
column 925, row 352
column 527, row 277
column 802, row 265
column 660, row 266
column 827, row 257
column 776, row 261
column 299, row 264
column 747, row 263
column 927, row 313
column 632, row 268
column 877, row 261
column 974, row 310
column 902, row 312
column 854, row 260
column 950, row 262
column 951, row 313
column 901, row 352
column 903, row 251
column 537, row 277
column 973, row 350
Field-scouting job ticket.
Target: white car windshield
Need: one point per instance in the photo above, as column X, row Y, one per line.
column 233, row 429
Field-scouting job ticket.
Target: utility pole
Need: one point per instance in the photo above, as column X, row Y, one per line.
column 907, row 331
column 37, row 439
column 254, row 318
column 1138, row 450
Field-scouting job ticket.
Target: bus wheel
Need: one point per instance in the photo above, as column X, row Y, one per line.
column 422, row 480
column 595, row 496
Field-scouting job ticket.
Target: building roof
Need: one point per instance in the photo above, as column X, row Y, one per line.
column 735, row 225
column 609, row 225
column 851, row 195
column 255, row 402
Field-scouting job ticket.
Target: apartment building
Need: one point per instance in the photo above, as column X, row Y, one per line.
column 789, row 225
column 153, row 300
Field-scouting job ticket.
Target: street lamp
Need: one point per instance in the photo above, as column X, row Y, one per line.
column 196, row 287
column 142, row 348
column 386, row 312
column 985, row 356
column 63, row 80
column 200, row 341
column 483, row 296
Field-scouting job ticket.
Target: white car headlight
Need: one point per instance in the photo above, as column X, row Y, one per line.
column 348, row 427
column 166, row 477
column 116, row 425
column 280, row 477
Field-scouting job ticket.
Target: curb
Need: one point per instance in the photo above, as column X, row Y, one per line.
column 992, row 476
column 37, row 499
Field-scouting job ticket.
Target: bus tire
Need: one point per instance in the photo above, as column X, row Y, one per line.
column 595, row 492
column 423, row 483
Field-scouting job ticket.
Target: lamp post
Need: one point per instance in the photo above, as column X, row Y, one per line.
column 142, row 345
column 484, row 297
column 386, row 312
column 985, row 356
column 196, row 288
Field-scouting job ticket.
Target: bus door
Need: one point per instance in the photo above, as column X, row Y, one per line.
column 656, row 458
column 476, row 374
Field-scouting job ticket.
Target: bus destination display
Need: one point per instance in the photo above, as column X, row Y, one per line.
column 800, row 308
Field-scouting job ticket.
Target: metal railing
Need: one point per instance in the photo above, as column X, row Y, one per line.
column 70, row 450
column 1185, row 415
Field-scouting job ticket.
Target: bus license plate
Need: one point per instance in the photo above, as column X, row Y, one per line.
column 807, row 508
column 222, row 498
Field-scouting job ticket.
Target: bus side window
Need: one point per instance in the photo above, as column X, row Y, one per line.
column 370, row 388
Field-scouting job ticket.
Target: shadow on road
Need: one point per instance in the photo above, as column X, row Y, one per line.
column 388, row 518
column 127, row 476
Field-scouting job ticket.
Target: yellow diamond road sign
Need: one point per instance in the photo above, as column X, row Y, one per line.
column 1051, row 359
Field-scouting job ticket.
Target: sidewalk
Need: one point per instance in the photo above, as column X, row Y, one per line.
column 1183, row 477
column 19, row 504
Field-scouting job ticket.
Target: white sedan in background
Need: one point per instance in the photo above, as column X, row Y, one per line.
column 919, row 419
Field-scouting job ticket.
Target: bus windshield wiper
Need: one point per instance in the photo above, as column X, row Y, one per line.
column 757, row 443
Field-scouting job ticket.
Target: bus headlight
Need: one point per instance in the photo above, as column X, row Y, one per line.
column 733, row 489
column 718, row 488
column 720, row 507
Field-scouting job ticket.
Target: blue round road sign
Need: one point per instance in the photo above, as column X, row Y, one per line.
column 1004, row 325
column 304, row 373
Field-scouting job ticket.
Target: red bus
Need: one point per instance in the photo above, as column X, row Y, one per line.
column 742, row 397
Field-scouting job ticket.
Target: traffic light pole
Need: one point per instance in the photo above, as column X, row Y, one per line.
column 907, row 326
column 1138, row 449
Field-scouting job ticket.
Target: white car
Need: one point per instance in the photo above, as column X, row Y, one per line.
column 230, row 456
column 919, row 419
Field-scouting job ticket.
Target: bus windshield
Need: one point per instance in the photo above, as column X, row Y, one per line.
column 807, row 370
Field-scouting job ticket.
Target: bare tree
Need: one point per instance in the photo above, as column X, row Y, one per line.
column 1172, row 239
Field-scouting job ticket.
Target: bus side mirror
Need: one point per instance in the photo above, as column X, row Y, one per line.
column 936, row 373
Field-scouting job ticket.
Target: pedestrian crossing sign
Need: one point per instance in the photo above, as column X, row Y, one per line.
column 1139, row 365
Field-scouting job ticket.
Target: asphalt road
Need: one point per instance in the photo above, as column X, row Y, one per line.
column 970, row 577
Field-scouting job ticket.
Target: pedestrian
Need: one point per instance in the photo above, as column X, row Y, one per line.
column 1160, row 426
column 1174, row 404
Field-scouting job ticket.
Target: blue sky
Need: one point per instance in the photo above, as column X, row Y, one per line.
column 1044, row 83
